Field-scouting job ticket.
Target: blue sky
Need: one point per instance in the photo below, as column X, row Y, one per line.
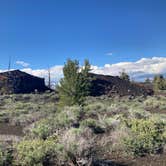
column 45, row 33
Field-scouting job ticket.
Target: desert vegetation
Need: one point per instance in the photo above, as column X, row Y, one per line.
column 102, row 129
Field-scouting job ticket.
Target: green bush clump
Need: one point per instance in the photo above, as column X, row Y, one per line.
column 110, row 123
column 43, row 128
column 95, row 107
column 4, row 117
column 60, row 120
column 5, row 156
column 65, row 118
column 94, row 125
column 138, row 113
column 155, row 102
column 146, row 137
column 79, row 146
column 38, row 152
column 89, row 123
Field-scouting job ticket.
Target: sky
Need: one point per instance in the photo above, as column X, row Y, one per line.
column 112, row 34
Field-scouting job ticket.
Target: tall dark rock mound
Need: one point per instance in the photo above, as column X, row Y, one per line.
column 113, row 85
column 17, row 81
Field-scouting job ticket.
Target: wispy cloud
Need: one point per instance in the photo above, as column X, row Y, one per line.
column 22, row 63
column 109, row 53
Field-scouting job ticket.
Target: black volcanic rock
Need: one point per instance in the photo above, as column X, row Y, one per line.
column 17, row 81
column 113, row 85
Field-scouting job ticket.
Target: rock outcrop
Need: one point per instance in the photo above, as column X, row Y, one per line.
column 17, row 81
column 113, row 85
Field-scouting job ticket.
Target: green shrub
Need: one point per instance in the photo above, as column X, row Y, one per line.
column 73, row 112
column 96, row 107
column 64, row 118
column 38, row 152
column 138, row 113
column 43, row 128
column 79, row 144
column 89, row 123
column 94, row 125
column 60, row 120
column 5, row 156
column 70, row 137
column 146, row 136
column 155, row 102
column 110, row 123
column 4, row 117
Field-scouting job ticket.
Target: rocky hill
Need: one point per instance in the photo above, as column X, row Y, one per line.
column 113, row 85
column 17, row 81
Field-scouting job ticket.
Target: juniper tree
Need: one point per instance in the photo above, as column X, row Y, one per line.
column 124, row 75
column 159, row 83
column 147, row 80
column 75, row 84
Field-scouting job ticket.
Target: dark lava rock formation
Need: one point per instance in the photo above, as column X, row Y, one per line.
column 113, row 85
column 17, row 81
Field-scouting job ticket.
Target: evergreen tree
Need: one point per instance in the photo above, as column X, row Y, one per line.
column 124, row 75
column 75, row 84
column 159, row 83
column 147, row 80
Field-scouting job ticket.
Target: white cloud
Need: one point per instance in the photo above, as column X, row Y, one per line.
column 139, row 69
column 22, row 63
column 109, row 53
column 56, row 72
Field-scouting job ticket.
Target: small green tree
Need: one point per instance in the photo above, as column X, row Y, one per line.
column 75, row 84
column 159, row 83
column 147, row 80
column 124, row 76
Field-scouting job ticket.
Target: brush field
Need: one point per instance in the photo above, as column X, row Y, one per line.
column 34, row 131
